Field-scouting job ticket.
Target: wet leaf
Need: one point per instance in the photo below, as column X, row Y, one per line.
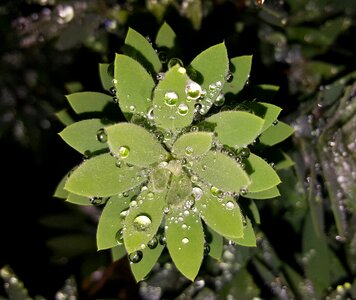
column 83, row 136
column 180, row 190
column 248, row 239
column 185, row 243
column 192, row 144
column 216, row 244
column 135, row 145
column 78, row 199
column 118, row 252
column 110, row 222
column 263, row 176
column 143, row 219
column 134, row 86
column 172, row 109
column 240, row 68
column 276, row 134
column 89, row 102
column 105, row 77
column 221, row 171
column 100, row 177
column 138, row 48
column 223, row 214
column 159, row 179
column 235, row 128
column 265, row 194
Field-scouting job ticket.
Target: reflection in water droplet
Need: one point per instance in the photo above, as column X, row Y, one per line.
column 124, row 151
column 160, row 76
column 183, row 109
column 123, row 214
column 243, row 191
column 174, row 61
column 220, row 100
column 229, row 77
column 229, row 205
column 216, row 192
column 119, row 237
column 193, row 90
column 275, row 122
column 152, row 244
column 101, row 135
column 244, row 153
column 197, row 193
column 112, row 91
column 142, row 223
column 170, row 98
column 189, row 150
column 185, row 241
column 136, row 256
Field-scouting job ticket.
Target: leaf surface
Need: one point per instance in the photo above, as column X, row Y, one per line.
column 105, row 77
column 89, row 102
column 276, row 134
column 192, row 144
column 265, row 194
column 240, row 68
column 248, row 239
column 216, row 244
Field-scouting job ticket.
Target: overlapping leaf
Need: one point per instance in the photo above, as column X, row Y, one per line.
column 240, row 68
column 276, row 134
column 89, row 102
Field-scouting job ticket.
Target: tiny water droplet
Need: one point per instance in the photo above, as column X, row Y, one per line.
column 216, row 192
column 136, row 256
column 229, row 77
column 119, row 237
column 96, row 200
column 150, row 195
column 132, row 108
column 163, row 57
column 194, row 129
column 206, row 249
column 112, row 91
column 124, row 214
column 229, row 205
column 193, row 90
column 194, row 178
column 183, row 109
column 275, row 122
column 170, row 98
column 220, row 100
column 152, row 244
column 189, row 150
column 243, row 191
column 174, row 61
column 115, row 99
column 189, row 204
column 150, row 114
column 166, row 210
column 197, row 193
column 182, row 70
column 162, row 240
column 124, row 151
column 185, row 241
column 244, row 152
column 142, row 223
column 160, row 76
column 101, row 135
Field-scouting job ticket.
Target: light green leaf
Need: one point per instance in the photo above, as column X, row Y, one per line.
column 141, row 269
column 263, row 176
column 235, row 128
column 172, row 109
column 105, row 77
column 100, row 177
column 180, row 190
column 240, row 68
column 223, row 214
column 84, row 136
column 133, row 86
column 166, row 37
column 89, row 102
column 137, row 47
column 60, row 192
column 265, row 194
column 185, row 242
column 276, row 134
column 110, row 222
column 192, row 144
column 216, row 244
column 248, row 239
column 135, row 145
column 78, row 199
column 211, row 67
column 143, row 219
column 64, row 117
column 221, row 171
column 118, row 252
column 268, row 112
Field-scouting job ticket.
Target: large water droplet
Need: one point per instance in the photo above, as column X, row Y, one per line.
column 136, row 256
column 197, row 193
column 229, row 205
column 170, row 98
column 124, row 151
column 185, row 241
column 220, row 100
column 183, row 109
column 152, row 244
column 142, row 223
column 193, row 90
column 101, row 135
column 119, row 237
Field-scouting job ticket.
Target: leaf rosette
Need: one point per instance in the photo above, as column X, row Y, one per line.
column 175, row 172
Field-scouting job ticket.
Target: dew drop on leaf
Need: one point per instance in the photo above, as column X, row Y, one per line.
column 189, row 150
column 244, row 153
column 160, row 76
column 185, row 241
column 216, row 192
column 194, row 179
column 197, row 193
column 152, row 244
column 229, row 77
column 115, row 99
column 243, row 191
column 220, row 100
column 101, row 135
column 229, row 205
column 206, row 249
column 150, row 195
column 162, row 240
column 170, row 98
column 194, row 129
column 163, row 57
column 96, row 200
column 142, row 223
column 183, row 109
column 189, row 203
column 193, row 90
column 166, row 210
column 136, row 256
column 119, row 237
column 275, row 122
column 150, row 114
column 123, row 214
column 174, row 61
column 124, row 151
column 112, row 91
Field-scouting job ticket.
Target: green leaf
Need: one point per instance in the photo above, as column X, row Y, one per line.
column 78, row 199
column 211, row 67
column 180, row 190
column 192, row 144
column 248, row 239
column 216, row 244
column 268, row 112
column 101, row 177
column 265, row 194
column 280, row 159
column 118, row 252
column 133, row 85
column 235, row 128
column 134, row 144
column 221, row 171
column 166, row 37
column 110, row 222
column 60, row 192
column 276, row 134
column 89, row 102
column 143, row 219
column 105, row 77
column 223, row 214
column 172, row 109
column 185, row 242
column 240, row 68
column 64, row 117
column 263, row 176
column 137, row 47
column 141, row 269
column 84, row 136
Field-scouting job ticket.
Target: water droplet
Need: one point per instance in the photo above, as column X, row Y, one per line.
column 115, row 99
column 212, row 87
column 194, row 129
column 118, row 163
column 182, row 70
column 183, row 109
column 152, row 244
column 142, row 223
column 112, row 91
column 119, row 237
column 244, row 153
column 275, row 122
column 150, row 114
column 229, row 205
column 185, row 241
column 136, row 256
column 160, row 76
column 193, row 90
column 189, row 204
column 170, row 98
column 132, row 108
column 174, row 61
column 189, row 150
column 124, row 214
column 220, row 100
column 166, row 210
column 194, row 178
column 162, row 240
column 101, row 136
column 124, row 151
column 243, row 191
column 197, row 193
column 163, row 57
column 96, row 200
column 216, row 192
column 150, row 195
column 206, row 249
column 114, row 81
column 229, row 77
